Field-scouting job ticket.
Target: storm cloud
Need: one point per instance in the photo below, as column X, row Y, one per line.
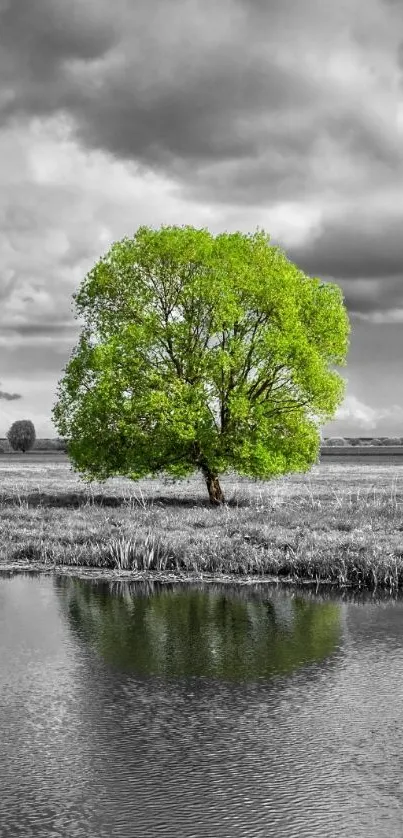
column 284, row 114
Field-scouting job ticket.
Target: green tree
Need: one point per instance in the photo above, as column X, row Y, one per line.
column 200, row 353
column 21, row 435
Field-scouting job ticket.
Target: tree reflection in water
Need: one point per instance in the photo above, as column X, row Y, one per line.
column 216, row 631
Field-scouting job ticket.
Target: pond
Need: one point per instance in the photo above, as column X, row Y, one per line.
column 144, row 709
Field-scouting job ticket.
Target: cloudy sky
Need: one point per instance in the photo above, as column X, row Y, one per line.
column 226, row 114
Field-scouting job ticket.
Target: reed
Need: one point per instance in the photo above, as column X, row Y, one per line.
column 336, row 525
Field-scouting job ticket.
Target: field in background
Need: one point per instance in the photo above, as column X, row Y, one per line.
column 362, row 441
column 39, row 445
column 348, row 446
column 340, row 523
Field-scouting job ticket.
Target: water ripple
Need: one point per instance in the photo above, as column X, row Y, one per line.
column 92, row 746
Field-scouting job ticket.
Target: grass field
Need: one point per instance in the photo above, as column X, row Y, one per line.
column 340, row 524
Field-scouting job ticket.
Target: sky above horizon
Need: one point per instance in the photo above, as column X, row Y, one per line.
column 285, row 115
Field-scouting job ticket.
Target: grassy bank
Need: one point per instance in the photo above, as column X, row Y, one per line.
column 339, row 524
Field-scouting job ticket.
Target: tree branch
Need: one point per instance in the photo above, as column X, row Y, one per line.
column 248, row 360
column 222, row 391
column 254, row 394
column 288, row 407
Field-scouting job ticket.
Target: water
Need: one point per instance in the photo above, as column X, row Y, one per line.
column 129, row 710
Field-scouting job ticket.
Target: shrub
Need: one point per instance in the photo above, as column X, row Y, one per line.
column 21, row 435
column 46, row 444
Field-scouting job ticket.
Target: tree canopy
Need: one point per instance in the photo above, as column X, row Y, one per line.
column 22, row 435
column 201, row 352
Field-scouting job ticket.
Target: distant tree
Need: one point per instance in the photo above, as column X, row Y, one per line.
column 21, row 435
column 201, row 352
column 393, row 440
column 335, row 441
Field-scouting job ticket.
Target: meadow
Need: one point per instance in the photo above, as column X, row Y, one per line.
column 339, row 524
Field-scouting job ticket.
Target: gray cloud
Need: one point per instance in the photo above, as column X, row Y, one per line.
column 150, row 106
column 154, row 99
column 236, row 103
column 246, row 107
column 9, row 397
column 353, row 247
column 364, row 297
column 209, row 113
column 32, row 329
column 46, row 33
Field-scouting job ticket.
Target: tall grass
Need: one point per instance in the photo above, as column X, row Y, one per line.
column 332, row 526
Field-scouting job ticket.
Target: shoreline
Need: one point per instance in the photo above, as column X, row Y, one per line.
column 81, row 571
column 115, row 574
column 335, row 529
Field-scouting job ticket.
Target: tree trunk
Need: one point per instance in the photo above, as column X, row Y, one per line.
column 213, row 487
